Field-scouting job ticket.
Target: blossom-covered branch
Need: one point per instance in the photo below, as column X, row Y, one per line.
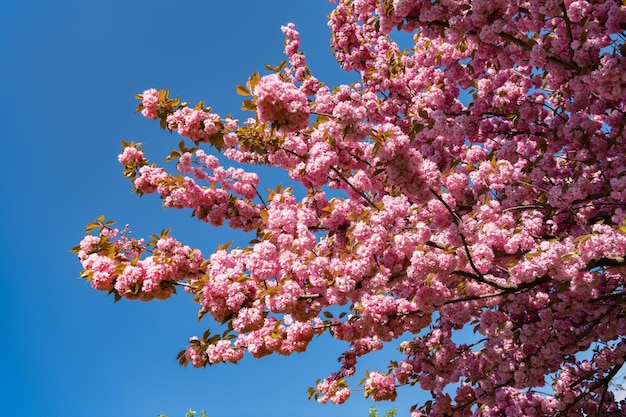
column 472, row 183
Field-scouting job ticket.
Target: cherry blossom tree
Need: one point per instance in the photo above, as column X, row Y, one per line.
column 472, row 181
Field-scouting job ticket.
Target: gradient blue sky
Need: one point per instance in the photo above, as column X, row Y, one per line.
column 69, row 71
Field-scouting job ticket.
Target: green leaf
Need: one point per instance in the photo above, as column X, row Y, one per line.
column 87, row 274
column 248, row 105
column 224, row 246
column 172, row 155
column 253, row 81
column 91, row 226
column 201, row 314
column 243, row 91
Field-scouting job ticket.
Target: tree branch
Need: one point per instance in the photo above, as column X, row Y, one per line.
column 359, row 192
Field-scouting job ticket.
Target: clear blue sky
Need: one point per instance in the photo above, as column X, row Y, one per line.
column 69, row 71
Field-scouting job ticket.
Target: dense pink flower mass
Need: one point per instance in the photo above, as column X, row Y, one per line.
column 471, row 184
column 281, row 103
column 150, row 103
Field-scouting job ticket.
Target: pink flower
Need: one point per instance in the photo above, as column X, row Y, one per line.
column 130, row 156
column 381, row 387
column 197, row 125
column 281, row 104
column 150, row 102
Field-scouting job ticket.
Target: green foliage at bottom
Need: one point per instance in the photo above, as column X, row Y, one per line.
column 374, row 412
column 190, row 413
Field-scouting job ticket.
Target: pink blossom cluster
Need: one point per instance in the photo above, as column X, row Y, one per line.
column 232, row 179
column 381, row 387
column 465, row 199
column 333, row 389
column 282, row 104
column 150, row 103
column 209, row 203
column 115, row 262
column 198, row 125
column 130, row 156
column 200, row 354
column 296, row 58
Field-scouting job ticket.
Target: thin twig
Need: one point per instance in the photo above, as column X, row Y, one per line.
column 478, row 276
column 260, row 197
column 475, row 297
column 569, row 31
column 359, row 192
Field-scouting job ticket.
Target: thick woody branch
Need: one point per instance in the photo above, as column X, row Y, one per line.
column 615, row 261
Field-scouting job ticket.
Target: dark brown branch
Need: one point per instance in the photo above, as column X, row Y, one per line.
column 568, row 26
column 592, row 326
column 524, row 207
column 478, row 276
column 260, row 197
column 435, row 245
column 474, row 298
column 615, row 261
column 604, row 382
column 359, row 192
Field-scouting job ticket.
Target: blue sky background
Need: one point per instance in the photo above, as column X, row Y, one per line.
column 69, row 71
